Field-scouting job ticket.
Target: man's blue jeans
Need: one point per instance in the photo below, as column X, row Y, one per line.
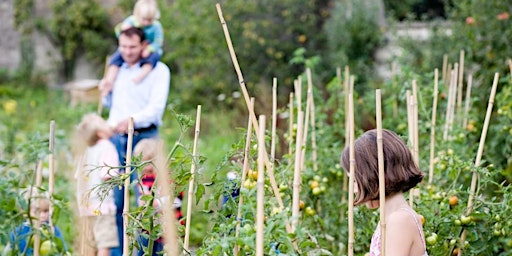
column 121, row 141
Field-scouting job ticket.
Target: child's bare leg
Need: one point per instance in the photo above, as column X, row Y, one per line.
column 146, row 69
column 107, row 82
column 103, row 252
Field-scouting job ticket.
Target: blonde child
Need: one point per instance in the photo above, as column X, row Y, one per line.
column 98, row 164
column 145, row 16
column 404, row 233
column 151, row 150
column 39, row 210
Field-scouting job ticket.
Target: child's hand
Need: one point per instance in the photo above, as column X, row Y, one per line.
column 145, row 53
column 125, row 26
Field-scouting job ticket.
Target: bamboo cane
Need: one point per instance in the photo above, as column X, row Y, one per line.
column 410, row 122
column 313, row 124
column 460, row 85
column 345, row 93
column 449, row 77
column 274, row 123
column 290, row 124
column 450, row 105
column 444, row 68
column 382, row 179
column 260, row 196
column 192, row 179
column 51, row 171
column 297, row 172
column 273, row 182
column 305, row 128
column 479, row 153
column 468, row 102
column 36, row 221
column 169, row 224
column 245, row 168
column 415, row 132
column 433, row 127
column 298, row 93
column 452, row 101
column 126, row 206
column 351, row 176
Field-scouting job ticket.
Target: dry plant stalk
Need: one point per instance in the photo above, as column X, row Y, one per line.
column 433, row 126
column 297, row 172
column 126, row 206
column 382, row 179
column 260, row 190
column 351, row 176
column 192, row 179
column 245, row 169
column 479, row 153
column 468, row 102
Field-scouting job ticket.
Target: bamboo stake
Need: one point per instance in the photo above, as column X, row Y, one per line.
column 311, row 100
column 461, row 84
column 297, row 172
column 450, row 105
column 51, row 171
column 433, row 127
column 274, row 124
column 415, row 133
column 410, row 122
column 245, row 168
column 37, row 221
column 351, row 176
column 345, row 93
column 305, row 130
column 169, row 220
column 273, row 182
column 468, row 102
column 479, row 153
column 382, row 179
column 290, row 124
column 298, row 93
column 192, row 179
column 444, row 68
column 126, row 205
column 260, row 193
column 449, row 77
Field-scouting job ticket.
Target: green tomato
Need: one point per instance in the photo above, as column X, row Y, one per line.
column 465, row 219
column 47, row 248
column 432, row 239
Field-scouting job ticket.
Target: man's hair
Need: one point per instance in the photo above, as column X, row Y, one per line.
column 400, row 171
column 134, row 31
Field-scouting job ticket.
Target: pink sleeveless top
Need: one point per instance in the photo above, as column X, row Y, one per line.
column 376, row 241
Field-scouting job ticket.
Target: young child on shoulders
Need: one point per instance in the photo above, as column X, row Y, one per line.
column 145, row 16
column 151, row 150
column 22, row 238
column 98, row 164
column 404, row 232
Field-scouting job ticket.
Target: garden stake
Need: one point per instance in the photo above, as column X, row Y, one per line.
column 415, row 132
column 169, row 219
column 36, row 221
column 260, row 192
column 313, row 128
column 449, row 75
column 192, row 179
column 297, row 172
column 274, row 123
column 444, row 68
column 479, row 153
column 410, row 123
column 245, row 168
column 433, row 127
column 450, row 104
column 305, row 132
column 298, row 93
column 351, row 129
column 346, row 92
column 460, row 86
column 51, row 171
column 126, row 206
column 382, row 179
column 468, row 102
column 241, row 81
column 290, row 125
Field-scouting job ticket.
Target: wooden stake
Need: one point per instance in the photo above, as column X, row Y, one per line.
column 460, row 85
column 345, row 93
column 450, row 107
column 305, row 132
column 245, row 169
column 274, row 124
column 260, row 193
column 290, row 125
column 351, row 176
column 272, row 179
column 195, row 160
column 311, row 100
column 169, row 220
column 382, row 178
column 468, row 102
column 297, row 172
column 126, row 209
column 433, row 126
column 480, row 152
column 36, row 221
column 444, row 68
column 51, row 171
column 410, row 122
